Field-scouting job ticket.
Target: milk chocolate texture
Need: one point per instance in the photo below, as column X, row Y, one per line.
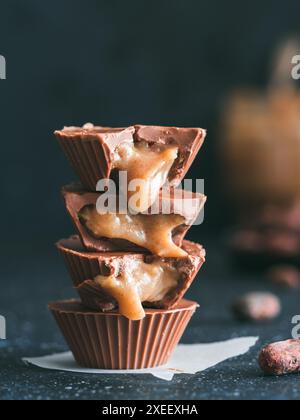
column 110, row 341
column 150, row 154
column 161, row 234
column 130, row 281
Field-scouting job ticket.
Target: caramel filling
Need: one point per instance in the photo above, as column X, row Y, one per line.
column 147, row 170
column 151, row 232
column 140, row 282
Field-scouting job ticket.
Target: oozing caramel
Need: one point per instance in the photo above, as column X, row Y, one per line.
column 151, row 232
column 149, row 165
column 140, row 282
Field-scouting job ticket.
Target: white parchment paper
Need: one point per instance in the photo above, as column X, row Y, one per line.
column 187, row 358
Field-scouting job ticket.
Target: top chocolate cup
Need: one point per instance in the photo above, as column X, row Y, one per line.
column 155, row 155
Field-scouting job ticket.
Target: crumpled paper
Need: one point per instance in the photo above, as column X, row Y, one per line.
column 187, row 358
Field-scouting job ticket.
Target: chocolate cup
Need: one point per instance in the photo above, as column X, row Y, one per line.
column 111, row 341
column 84, row 266
column 90, row 149
column 178, row 202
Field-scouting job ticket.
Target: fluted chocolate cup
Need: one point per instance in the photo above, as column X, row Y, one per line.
column 90, row 149
column 84, row 267
column 110, row 341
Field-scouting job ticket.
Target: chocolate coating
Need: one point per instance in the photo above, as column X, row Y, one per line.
column 85, row 266
column 90, row 149
column 111, row 341
column 76, row 199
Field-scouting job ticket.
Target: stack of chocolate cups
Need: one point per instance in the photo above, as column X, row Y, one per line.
column 132, row 267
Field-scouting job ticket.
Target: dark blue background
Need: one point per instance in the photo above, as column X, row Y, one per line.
column 117, row 63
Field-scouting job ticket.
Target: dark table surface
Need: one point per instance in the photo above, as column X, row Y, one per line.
column 29, row 283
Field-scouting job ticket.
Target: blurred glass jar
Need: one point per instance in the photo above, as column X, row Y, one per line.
column 261, row 148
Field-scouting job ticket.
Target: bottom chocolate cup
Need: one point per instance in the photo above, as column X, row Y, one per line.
column 110, row 341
